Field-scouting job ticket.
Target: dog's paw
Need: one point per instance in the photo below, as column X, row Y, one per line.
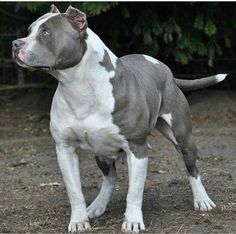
column 79, row 226
column 96, row 209
column 133, row 221
column 204, row 204
column 201, row 200
column 135, row 227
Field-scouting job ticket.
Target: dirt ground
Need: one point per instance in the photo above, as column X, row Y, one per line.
column 33, row 196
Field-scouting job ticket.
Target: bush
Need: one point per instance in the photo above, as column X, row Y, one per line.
column 178, row 30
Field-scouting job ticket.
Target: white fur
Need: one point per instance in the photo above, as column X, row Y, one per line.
column 94, row 40
column 84, row 101
column 69, row 165
column 220, row 77
column 168, row 118
column 151, row 59
column 98, row 206
column 201, row 200
column 82, row 107
column 137, row 175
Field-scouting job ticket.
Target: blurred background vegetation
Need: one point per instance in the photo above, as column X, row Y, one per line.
column 193, row 38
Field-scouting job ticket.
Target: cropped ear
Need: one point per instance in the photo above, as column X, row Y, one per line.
column 77, row 18
column 53, row 9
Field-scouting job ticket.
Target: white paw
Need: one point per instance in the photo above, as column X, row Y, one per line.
column 96, row 208
column 201, row 200
column 133, row 221
column 79, row 226
column 204, row 204
column 136, row 227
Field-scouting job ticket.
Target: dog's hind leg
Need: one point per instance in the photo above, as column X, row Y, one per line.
column 174, row 123
column 98, row 206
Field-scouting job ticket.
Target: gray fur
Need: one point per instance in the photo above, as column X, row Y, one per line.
column 107, row 62
column 190, row 85
column 145, row 96
column 64, row 47
column 103, row 165
column 36, row 21
column 66, row 44
column 143, row 92
column 137, row 97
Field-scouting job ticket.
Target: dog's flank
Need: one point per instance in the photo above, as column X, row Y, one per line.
column 109, row 105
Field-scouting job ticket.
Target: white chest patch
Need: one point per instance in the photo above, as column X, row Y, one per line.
column 151, row 59
column 168, row 118
column 88, row 126
column 82, row 107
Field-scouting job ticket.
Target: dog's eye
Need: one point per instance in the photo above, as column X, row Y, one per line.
column 45, row 33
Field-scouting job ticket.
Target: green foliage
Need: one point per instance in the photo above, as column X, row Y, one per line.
column 199, row 23
column 96, row 8
column 180, row 30
column 182, row 56
column 125, row 12
column 33, row 7
column 137, row 30
column 210, row 28
column 157, row 29
column 91, row 8
column 147, row 37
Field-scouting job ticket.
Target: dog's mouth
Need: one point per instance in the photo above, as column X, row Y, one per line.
column 17, row 59
column 25, row 65
column 44, row 68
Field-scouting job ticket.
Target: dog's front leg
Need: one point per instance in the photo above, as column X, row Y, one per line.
column 137, row 168
column 69, row 165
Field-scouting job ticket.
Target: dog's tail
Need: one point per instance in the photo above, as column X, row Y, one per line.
column 190, row 85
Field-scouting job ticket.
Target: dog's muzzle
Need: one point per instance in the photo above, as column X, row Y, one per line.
column 17, row 46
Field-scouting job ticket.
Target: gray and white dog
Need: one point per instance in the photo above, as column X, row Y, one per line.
column 109, row 105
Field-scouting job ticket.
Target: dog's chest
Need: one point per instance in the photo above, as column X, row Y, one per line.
column 95, row 133
column 87, row 121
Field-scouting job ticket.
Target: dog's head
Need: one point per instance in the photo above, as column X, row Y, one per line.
column 55, row 41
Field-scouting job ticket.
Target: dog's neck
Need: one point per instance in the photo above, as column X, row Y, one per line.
column 88, row 68
column 87, row 85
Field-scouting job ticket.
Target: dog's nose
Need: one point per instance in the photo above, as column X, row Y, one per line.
column 17, row 44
